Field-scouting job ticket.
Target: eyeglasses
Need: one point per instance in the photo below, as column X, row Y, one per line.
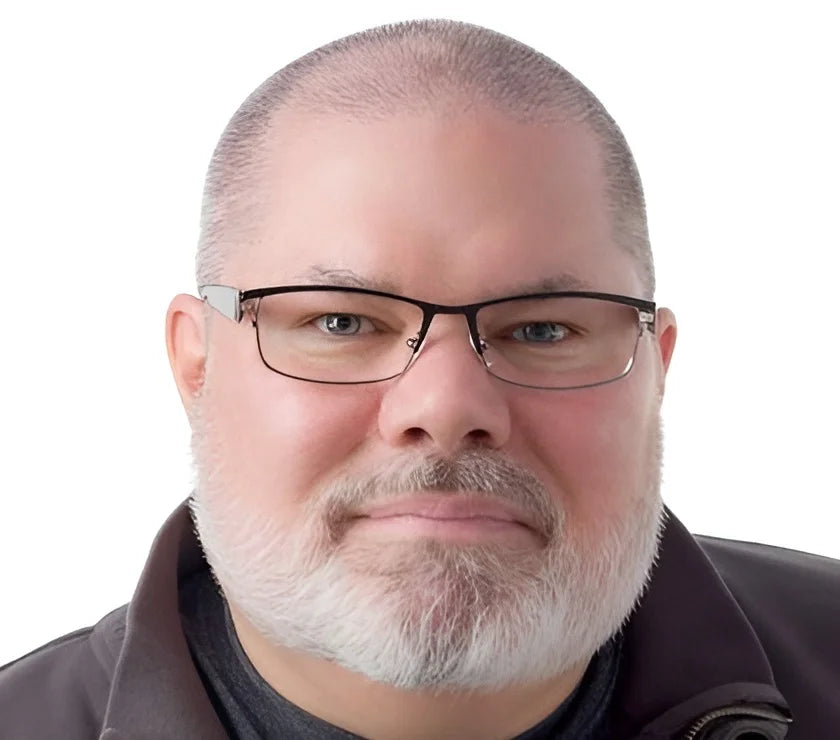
column 341, row 335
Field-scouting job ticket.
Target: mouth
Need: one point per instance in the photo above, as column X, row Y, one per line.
column 446, row 516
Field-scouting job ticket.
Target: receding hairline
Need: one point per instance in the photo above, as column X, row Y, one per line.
column 414, row 67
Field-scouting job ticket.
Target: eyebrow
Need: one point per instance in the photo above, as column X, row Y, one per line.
column 345, row 278
column 557, row 283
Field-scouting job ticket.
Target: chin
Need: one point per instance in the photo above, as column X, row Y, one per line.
column 427, row 614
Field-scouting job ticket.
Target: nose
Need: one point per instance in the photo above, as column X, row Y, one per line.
column 446, row 399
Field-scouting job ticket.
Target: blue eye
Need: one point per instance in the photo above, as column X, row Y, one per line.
column 343, row 324
column 543, row 332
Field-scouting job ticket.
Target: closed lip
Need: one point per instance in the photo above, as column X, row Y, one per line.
column 448, row 507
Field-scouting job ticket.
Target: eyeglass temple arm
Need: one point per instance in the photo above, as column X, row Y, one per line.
column 226, row 300
column 647, row 319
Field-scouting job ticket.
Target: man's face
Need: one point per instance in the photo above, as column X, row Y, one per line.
column 451, row 210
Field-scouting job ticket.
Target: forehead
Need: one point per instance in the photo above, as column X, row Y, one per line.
column 448, row 207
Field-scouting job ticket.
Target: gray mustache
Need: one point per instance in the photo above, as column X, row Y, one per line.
column 473, row 471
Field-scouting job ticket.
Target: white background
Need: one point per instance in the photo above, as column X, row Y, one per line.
column 110, row 113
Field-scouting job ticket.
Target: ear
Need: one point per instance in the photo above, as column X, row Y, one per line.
column 186, row 346
column 666, row 336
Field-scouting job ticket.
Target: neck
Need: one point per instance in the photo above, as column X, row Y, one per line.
column 370, row 709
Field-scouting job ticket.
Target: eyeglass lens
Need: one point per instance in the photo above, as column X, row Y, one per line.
column 347, row 337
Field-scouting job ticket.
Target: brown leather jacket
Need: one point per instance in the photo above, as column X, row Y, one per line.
column 729, row 640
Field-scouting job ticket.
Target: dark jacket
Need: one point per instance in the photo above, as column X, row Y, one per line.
column 729, row 640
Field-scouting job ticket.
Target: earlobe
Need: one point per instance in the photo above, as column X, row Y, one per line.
column 186, row 346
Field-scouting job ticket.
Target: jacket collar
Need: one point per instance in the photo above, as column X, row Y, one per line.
column 156, row 685
column 687, row 649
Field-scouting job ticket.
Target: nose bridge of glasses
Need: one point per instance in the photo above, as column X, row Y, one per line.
column 440, row 317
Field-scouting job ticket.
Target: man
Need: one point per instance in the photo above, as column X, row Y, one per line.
column 424, row 377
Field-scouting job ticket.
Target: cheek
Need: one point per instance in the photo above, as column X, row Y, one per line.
column 596, row 448
column 282, row 437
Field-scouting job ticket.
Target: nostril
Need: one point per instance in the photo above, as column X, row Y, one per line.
column 415, row 434
column 480, row 436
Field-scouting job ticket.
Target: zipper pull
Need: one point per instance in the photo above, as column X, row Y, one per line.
column 731, row 723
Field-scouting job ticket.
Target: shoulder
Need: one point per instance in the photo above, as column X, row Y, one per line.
column 792, row 600
column 758, row 575
column 61, row 689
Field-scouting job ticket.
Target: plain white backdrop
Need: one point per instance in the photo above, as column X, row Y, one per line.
column 110, row 113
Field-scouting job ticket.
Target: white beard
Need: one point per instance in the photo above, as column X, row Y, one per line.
column 426, row 614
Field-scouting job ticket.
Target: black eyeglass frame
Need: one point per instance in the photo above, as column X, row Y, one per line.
column 230, row 302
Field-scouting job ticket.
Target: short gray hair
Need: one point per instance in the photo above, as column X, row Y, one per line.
column 405, row 67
